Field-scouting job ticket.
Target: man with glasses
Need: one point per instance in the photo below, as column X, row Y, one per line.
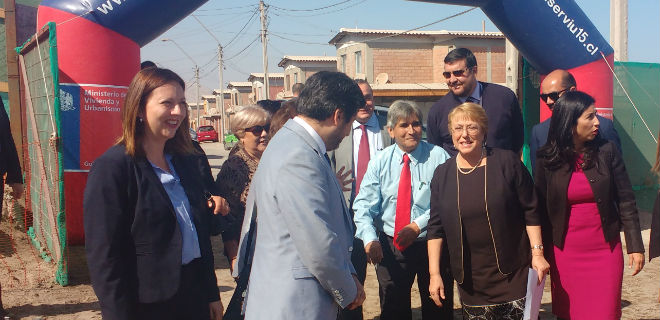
column 505, row 129
column 553, row 86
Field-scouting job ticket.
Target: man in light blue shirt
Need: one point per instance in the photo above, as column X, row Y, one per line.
column 394, row 232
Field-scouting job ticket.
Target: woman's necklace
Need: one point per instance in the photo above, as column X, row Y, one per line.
column 473, row 168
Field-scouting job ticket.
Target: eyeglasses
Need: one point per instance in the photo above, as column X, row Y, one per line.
column 553, row 95
column 257, row 130
column 456, row 73
column 471, row 130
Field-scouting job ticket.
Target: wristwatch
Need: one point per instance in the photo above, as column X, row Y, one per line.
column 537, row 246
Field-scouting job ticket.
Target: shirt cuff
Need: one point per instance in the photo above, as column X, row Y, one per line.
column 422, row 221
column 368, row 235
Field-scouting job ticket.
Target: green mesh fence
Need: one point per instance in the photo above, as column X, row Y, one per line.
column 45, row 196
column 642, row 82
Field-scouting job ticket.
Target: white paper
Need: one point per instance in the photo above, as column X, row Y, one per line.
column 534, row 295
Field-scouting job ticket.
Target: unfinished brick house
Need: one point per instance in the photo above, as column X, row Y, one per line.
column 299, row 68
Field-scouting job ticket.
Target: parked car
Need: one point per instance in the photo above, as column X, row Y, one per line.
column 207, row 133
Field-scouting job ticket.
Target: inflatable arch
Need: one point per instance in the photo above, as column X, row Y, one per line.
column 555, row 34
column 98, row 44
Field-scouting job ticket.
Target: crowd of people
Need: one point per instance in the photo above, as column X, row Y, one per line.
column 319, row 187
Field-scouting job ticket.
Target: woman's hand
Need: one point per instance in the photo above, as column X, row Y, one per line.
column 541, row 266
column 216, row 310
column 437, row 289
column 636, row 261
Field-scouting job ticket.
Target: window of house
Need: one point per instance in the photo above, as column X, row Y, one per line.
column 287, row 82
column 295, row 78
column 343, row 63
column 358, row 62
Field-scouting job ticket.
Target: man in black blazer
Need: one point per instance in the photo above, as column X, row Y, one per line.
column 10, row 165
column 553, row 86
column 505, row 124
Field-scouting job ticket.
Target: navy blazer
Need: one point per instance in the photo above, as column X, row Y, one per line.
column 505, row 123
column 540, row 136
column 132, row 238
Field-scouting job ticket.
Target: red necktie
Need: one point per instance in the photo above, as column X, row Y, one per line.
column 363, row 158
column 402, row 217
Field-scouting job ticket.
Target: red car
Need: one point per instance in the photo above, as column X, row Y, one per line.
column 207, row 133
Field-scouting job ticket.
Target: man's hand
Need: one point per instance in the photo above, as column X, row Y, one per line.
column 407, row 235
column 16, row 190
column 344, row 180
column 219, row 205
column 437, row 289
column 374, row 252
column 636, row 261
column 216, row 310
column 359, row 298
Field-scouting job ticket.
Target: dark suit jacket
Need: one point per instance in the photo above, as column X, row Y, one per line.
column 505, row 124
column 540, row 136
column 9, row 162
column 511, row 207
column 654, row 243
column 132, row 239
column 612, row 191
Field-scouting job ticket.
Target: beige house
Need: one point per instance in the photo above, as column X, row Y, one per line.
column 410, row 65
column 275, row 86
column 298, row 68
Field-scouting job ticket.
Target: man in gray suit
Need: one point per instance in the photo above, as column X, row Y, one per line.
column 301, row 267
column 367, row 136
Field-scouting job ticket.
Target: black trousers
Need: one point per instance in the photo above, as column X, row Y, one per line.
column 396, row 274
column 189, row 302
column 359, row 260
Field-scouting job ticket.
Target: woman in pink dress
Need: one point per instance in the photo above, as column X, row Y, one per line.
column 585, row 197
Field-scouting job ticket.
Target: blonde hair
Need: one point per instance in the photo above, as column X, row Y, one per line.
column 471, row 111
column 248, row 117
column 139, row 91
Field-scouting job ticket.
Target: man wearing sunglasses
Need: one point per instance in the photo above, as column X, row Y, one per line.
column 505, row 124
column 552, row 87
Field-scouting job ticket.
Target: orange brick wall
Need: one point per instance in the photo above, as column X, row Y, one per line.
column 497, row 63
column 403, row 65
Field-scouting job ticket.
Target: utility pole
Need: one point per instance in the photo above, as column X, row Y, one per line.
column 619, row 29
column 219, row 98
column 264, row 44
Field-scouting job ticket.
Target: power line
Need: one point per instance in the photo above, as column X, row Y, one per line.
column 320, row 14
column 239, row 32
column 231, row 8
column 298, row 41
column 315, row 9
column 243, row 50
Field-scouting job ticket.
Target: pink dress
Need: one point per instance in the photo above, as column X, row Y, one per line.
column 586, row 275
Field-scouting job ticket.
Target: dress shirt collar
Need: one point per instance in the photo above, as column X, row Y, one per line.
column 312, row 133
column 476, row 93
column 372, row 122
column 413, row 156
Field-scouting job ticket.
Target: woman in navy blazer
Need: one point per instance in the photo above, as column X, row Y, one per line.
column 145, row 214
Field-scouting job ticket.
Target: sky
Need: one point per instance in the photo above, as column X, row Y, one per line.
column 305, row 27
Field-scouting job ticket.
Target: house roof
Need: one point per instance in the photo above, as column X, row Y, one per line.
column 286, row 59
column 401, row 33
column 239, row 84
column 271, row 75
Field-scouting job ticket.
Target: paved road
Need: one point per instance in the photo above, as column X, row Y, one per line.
column 216, row 154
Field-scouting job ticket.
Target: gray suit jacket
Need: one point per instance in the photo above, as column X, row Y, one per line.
column 343, row 157
column 301, row 267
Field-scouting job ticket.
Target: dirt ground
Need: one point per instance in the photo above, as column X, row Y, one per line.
column 29, row 290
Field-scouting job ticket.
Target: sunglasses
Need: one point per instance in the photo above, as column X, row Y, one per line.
column 257, row 130
column 553, row 95
column 456, row 73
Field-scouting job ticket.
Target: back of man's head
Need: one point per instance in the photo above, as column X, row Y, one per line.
column 328, row 91
column 460, row 54
column 297, row 88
